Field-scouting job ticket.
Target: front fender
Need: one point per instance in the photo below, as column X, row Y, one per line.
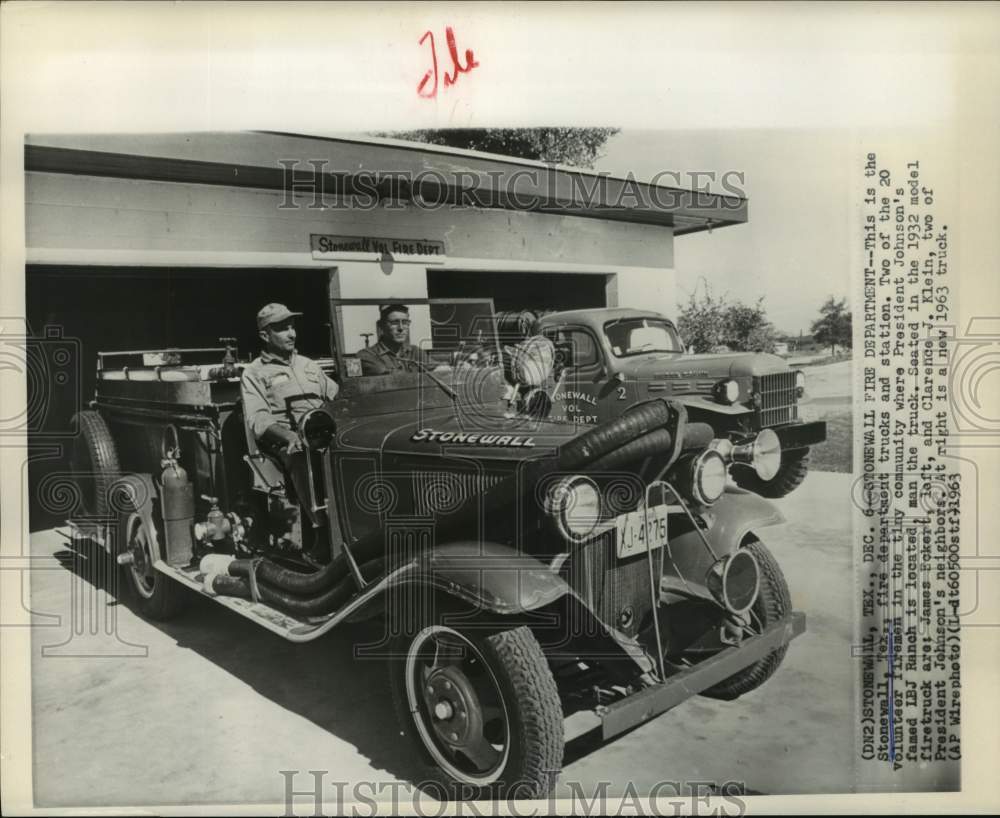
column 501, row 580
column 737, row 514
column 490, row 576
column 704, row 403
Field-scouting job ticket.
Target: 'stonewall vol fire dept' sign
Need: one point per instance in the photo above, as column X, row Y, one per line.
column 426, row 250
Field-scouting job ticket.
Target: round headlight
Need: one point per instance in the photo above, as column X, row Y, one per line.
column 766, row 454
column 576, row 505
column 708, row 477
column 727, row 391
column 800, row 384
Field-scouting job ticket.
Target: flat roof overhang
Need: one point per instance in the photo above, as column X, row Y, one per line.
column 340, row 166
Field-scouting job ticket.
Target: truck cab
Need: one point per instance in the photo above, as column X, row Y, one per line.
column 611, row 358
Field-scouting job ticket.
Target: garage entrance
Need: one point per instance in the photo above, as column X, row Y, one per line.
column 523, row 291
column 153, row 307
column 109, row 308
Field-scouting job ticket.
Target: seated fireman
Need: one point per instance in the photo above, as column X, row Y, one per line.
column 278, row 388
column 393, row 352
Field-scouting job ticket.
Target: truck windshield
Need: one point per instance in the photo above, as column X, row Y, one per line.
column 636, row 336
column 418, row 335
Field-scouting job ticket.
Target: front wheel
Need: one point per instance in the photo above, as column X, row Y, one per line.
column 482, row 709
column 773, row 604
column 792, row 471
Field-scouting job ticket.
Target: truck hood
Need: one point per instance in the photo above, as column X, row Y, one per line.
column 489, row 436
column 660, row 365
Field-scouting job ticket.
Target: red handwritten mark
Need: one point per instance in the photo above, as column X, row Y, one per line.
column 457, row 67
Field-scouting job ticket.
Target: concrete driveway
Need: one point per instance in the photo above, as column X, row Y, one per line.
column 209, row 708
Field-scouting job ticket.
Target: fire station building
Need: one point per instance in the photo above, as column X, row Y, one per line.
column 155, row 236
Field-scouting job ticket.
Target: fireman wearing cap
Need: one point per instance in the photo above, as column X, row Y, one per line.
column 393, row 352
column 278, row 388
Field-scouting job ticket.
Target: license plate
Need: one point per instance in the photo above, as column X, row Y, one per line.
column 631, row 535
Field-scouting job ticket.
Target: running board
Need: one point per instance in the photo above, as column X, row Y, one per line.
column 286, row 626
column 264, row 615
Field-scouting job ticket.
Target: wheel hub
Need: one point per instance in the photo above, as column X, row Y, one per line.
column 139, row 560
column 457, row 715
column 138, row 553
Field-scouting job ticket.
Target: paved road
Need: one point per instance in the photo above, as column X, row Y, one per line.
column 829, row 381
column 217, row 706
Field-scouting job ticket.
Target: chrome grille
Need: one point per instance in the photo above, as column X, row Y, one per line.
column 777, row 403
column 442, row 492
column 616, row 590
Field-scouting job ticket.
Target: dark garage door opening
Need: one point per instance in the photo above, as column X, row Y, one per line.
column 117, row 308
column 523, row 291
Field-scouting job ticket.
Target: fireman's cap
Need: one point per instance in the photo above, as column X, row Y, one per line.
column 272, row 314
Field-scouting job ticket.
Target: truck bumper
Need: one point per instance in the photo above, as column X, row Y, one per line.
column 800, row 435
column 647, row 704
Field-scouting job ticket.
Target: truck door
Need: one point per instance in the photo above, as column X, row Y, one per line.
column 586, row 392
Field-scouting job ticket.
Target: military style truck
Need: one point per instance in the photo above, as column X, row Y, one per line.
column 524, row 569
column 610, row 358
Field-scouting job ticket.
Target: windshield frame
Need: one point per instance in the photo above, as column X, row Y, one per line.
column 338, row 343
column 653, row 319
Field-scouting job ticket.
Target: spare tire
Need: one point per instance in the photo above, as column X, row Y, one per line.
column 94, row 463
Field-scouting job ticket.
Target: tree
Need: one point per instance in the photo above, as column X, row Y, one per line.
column 748, row 329
column 701, row 322
column 578, row 147
column 709, row 322
column 834, row 326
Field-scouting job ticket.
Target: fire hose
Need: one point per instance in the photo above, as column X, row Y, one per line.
column 318, row 605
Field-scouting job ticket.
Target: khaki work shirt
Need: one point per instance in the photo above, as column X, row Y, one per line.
column 279, row 391
column 380, row 360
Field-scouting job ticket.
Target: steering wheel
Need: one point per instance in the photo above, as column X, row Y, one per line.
column 317, row 428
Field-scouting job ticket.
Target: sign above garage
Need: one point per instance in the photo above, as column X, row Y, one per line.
column 424, row 250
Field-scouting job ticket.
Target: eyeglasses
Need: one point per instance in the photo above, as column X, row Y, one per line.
column 399, row 322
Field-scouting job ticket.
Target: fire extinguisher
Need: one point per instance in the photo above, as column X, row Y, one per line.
column 178, row 504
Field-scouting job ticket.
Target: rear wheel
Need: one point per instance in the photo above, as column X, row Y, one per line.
column 792, row 471
column 482, row 709
column 773, row 604
column 156, row 595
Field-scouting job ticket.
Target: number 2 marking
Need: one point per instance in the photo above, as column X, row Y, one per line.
column 621, row 393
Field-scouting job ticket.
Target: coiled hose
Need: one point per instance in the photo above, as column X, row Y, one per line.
column 696, row 436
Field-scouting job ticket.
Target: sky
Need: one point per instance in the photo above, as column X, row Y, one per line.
column 795, row 248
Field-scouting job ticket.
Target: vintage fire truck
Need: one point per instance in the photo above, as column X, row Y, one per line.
column 610, row 358
column 524, row 568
